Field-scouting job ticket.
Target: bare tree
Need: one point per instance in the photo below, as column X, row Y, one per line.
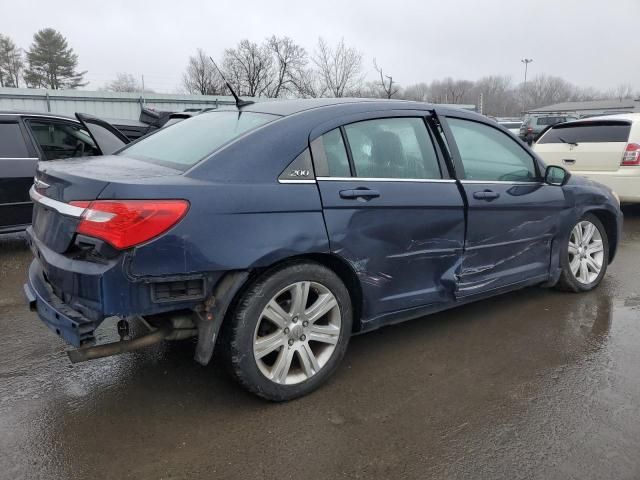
column 249, row 68
column 498, row 96
column 201, row 77
column 339, row 68
column 418, row 92
column 622, row 92
column 124, row 82
column 388, row 88
column 288, row 66
column 11, row 63
column 546, row 90
column 449, row 90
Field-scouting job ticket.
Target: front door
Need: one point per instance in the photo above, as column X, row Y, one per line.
column 512, row 215
column 391, row 211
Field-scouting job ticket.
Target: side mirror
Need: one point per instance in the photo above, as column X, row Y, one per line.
column 555, row 175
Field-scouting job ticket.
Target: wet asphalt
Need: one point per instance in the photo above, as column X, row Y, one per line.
column 533, row 384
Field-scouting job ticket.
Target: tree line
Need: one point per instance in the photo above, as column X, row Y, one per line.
column 280, row 68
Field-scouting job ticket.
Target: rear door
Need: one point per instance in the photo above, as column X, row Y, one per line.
column 391, row 210
column 17, row 168
column 596, row 145
column 512, row 215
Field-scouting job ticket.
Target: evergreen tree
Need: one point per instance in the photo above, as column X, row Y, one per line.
column 52, row 63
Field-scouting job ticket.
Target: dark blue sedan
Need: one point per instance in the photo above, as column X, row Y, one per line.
column 278, row 230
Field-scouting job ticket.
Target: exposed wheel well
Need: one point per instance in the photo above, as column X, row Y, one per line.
column 339, row 266
column 609, row 222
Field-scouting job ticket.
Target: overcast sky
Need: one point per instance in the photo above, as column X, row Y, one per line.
column 588, row 42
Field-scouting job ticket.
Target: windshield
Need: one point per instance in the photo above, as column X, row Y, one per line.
column 187, row 142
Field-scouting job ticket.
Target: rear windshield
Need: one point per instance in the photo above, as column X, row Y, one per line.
column 591, row 132
column 511, row 124
column 187, row 142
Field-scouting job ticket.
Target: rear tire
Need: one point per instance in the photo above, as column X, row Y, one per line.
column 289, row 331
column 585, row 256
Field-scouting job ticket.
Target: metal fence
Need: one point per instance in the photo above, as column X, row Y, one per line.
column 103, row 104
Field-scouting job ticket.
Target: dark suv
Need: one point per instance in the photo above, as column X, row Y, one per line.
column 534, row 124
column 278, row 230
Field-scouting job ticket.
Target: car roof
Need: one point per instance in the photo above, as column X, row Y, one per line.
column 633, row 117
column 293, row 106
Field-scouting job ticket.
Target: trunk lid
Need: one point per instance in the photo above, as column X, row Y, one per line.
column 60, row 182
column 585, row 145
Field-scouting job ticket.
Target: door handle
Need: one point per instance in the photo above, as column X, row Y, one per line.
column 568, row 161
column 486, row 195
column 365, row 193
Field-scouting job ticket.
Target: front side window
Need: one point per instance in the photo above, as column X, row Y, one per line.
column 62, row 140
column 489, row 154
column 11, row 141
column 392, row 148
column 186, row 143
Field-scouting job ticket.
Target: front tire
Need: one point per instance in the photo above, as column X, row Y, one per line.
column 289, row 331
column 585, row 256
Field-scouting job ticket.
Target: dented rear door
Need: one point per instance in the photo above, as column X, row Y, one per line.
column 391, row 211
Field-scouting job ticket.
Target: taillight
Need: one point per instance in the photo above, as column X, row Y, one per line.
column 126, row 223
column 530, row 130
column 631, row 155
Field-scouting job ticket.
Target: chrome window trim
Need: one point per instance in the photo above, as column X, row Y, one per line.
column 28, row 115
column 284, row 180
column 367, row 179
column 19, row 158
column 501, row 182
column 60, row 207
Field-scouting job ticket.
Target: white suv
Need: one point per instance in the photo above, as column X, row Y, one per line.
column 605, row 149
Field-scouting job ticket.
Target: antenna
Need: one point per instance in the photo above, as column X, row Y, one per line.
column 239, row 101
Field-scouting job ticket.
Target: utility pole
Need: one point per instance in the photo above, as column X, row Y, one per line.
column 526, row 62
column 143, row 99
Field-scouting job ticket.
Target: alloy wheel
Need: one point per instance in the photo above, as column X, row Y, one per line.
column 297, row 332
column 586, row 252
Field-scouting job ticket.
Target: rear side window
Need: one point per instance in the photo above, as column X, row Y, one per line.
column 489, row 154
column 392, row 148
column 11, row 141
column 591, row 132
column 186, row 143
column 62, row 140
column 336, row 154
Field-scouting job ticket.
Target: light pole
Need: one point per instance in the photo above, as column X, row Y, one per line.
column 526, row 62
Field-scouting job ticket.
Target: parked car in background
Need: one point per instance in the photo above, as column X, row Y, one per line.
column 534, row 124
column 278, row 231
column 605, row 149
column 512, row 125
column 26, row 138
column 132, row 129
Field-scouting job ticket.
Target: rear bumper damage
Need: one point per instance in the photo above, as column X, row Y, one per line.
column 72, row 326
column 178, row 320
